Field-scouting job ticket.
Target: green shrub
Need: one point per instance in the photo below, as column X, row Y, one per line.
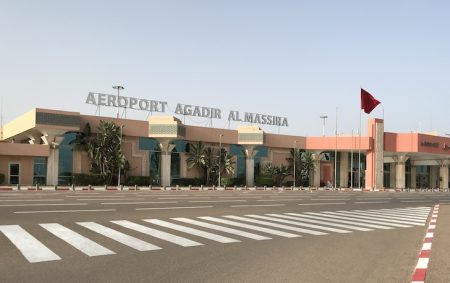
column 88, row 179
column 184, row 182
column 264, row 181
column 139, row 180
column 2, row 178
column 230, row 182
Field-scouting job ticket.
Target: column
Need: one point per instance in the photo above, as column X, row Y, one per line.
column 392, row 179
column 166, row 152
column 53, row 166
column 250, row 153
column 413, row 177
column 343, row 174
column 316, row 173
column 400, row 170
column 443, row 174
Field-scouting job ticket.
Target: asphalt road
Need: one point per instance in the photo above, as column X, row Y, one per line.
column 336, row 249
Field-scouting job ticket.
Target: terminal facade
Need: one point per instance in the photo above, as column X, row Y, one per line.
column 36, row 148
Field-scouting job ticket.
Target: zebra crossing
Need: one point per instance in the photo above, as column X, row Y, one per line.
column 205, row 229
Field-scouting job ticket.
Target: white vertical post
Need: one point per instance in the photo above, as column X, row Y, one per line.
column 335, row 151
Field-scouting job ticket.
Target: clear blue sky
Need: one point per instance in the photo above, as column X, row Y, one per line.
column 299, row 59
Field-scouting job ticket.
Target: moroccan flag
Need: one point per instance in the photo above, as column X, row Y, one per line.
column 368, row 102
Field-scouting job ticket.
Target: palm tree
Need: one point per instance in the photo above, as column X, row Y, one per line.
column 197, row 157
column 105, row 151
column 278, row 173
column 304, row 165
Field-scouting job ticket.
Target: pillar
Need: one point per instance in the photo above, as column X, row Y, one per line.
column 413, row 177
column 166, row 152
column 392, row 179
column 375, row 155
column 250, row 153
column 316, row 172
column 53, row 166
column 443, row 174
column 343, row 174
column 400, row 170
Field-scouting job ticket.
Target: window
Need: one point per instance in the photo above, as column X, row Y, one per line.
column 40, row 171
column 14, row 173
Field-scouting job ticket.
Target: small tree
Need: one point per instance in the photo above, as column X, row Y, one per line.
column 304, row 165
column 105, row 151
column 278, row 173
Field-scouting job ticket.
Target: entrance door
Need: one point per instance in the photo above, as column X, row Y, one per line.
column 14, row 173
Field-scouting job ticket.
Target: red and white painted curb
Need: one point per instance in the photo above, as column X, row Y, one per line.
column 420, row 271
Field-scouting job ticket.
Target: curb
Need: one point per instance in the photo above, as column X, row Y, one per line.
column 421, row 268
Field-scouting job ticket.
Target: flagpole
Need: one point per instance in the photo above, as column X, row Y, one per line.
column 359, row 151
column 335, row 151
column 351, row 166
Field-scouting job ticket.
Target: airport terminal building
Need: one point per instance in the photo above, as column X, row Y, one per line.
column 36, row 148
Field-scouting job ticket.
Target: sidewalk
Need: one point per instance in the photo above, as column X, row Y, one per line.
column 439, row 266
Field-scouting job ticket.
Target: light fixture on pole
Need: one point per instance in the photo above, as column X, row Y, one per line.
column 119, row 88
column 295, row 154
column 120, row 148
column 220, row 155
column 323, row 117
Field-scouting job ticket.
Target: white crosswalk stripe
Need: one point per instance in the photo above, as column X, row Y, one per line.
column 125, row 239
column 310, row 223
column 391, row 215
column 380, row 217
column 271, row 224
column 30, row 247
column 328, row 218
column 195, row 232
column 359, row 220
column 296, row 223
column 251, row 227
column 327, row 223
column 157, row 234
column 74, row 239
column 223, row 229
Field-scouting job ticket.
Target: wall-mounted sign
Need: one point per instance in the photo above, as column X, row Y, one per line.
column 430, row 144
column 101, row 99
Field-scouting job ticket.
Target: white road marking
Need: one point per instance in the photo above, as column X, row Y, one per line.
column 422, row 263
column 320, row 222
column 392, row 215
column 385, row 217
column 74, row 239
column 251, row 205
column 377, row 218
column 340, row 221
column 330, row 199
column 233, row 200
column 36, row 199
column 31, row 248
column 285, row 199
column 157, row 234
column 173, row 207
column 138, row 202
column 322, row 203
column 299, row 223
column 192, row 231
column 357, row 219
column 65, row 211
column 365, row 202
column 251, row 227
column 223, row 229
column 271, row 224
column 42, row 204
column 120, row 237
column 87, row 199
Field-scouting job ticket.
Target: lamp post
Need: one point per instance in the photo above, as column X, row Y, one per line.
column 220, row 154
column 120, row 148
column 119, row 88
column 323, row 117
column 295, row 153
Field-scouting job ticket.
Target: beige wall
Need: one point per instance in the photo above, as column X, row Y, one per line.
column 26, row 168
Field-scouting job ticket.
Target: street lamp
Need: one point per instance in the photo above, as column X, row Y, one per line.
column 323, row 117
column 295, row 153
column 220, row 154
column 120, row 148
column 119, row 88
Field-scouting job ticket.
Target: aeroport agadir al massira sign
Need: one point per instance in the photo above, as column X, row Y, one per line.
column 102, row 99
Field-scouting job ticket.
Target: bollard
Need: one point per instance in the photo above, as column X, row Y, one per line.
column 177, row 187
column 73, row 187
column 135, row 187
